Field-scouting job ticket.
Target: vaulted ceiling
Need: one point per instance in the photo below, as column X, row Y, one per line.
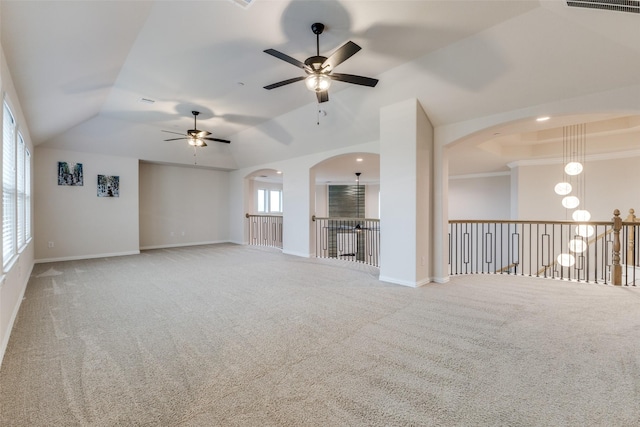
column 82, row 68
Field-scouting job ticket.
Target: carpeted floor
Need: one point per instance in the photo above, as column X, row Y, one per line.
column 228, row 335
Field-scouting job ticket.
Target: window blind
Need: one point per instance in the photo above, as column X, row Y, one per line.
column 21, row 199
column 27, row 192
column 8, row 185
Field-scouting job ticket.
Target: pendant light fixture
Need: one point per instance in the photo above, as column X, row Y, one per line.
column 358, row 226
column 574, row 139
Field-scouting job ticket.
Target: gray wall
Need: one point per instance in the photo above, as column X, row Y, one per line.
column 479, row 197
column 77, row 222
column 182, row 206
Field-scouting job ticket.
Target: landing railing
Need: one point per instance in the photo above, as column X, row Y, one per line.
column 598, row 252
column 265, row 230
column 352, row 239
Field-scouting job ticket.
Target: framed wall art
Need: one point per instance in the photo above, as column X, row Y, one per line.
column 108, row 186
column 70, row 174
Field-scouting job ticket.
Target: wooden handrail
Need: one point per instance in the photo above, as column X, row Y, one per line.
column 335, row 218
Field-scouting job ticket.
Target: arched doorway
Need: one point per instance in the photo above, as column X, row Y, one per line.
column 264, row 208
column 347, row 208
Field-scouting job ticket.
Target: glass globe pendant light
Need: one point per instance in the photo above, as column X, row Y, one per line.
column 563, row 188
column 573, row 168
column 570, row 202
column 581, row 215
column 318, row 82
column 566, row 260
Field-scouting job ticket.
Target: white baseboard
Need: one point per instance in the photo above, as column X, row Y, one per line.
column 77, row 257
column 300, row 254
column 404, row 282
column 182, row 245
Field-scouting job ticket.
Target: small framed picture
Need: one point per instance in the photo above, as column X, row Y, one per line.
column 70, row 174
column 108, row 186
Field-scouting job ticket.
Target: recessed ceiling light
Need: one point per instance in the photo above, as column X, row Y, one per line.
column 543, row 119
column 279, row 172
column 358, row 159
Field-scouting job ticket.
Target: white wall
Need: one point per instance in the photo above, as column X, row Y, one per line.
column 182, row 206
column 13, row 281
column 480, row 197
column 609, row 183
column 78, row 222
column 372, row 201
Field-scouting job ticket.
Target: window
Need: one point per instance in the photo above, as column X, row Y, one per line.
column 23, row 170
column 269, row 201
column 262, row 200
column 8, row 185
column 16, row 188
column 275, row 201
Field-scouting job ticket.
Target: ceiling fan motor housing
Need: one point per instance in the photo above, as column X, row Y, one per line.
column 315, row 62
column 317, row 28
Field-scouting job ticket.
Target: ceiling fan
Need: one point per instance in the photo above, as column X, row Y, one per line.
column 319, row 69
column 195, row 136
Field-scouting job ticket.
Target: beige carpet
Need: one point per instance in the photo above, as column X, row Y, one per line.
column 228, row 335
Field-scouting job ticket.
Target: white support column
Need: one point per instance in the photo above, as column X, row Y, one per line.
column 298, row 191
column 406, row 197
column 440, row 245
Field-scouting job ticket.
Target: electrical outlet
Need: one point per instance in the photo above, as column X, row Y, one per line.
column 50, row 244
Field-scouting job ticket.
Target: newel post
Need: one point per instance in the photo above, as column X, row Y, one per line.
column 631, row 245
column 616, row 274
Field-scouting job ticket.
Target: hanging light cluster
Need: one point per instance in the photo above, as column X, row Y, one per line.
column 572, row 188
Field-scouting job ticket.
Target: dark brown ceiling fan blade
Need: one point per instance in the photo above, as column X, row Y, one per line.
column 343, row 53
column 177, row 133
column 358, row 80
column 218, row 140
column 322, row 96
column 176, row 139
column 285, row 82
column 287, row 58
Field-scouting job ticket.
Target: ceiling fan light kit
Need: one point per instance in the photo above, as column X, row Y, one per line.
column 319, row 69
column 318, row 82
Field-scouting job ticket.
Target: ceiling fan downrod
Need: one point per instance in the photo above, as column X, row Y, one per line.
column 317, row 29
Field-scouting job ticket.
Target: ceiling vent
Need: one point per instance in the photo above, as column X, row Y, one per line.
column 244, row 3
column 632, row 6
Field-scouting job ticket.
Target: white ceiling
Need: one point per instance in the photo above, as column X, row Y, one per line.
column 81, row 67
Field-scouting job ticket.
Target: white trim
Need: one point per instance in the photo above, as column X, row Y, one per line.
column 480, row 175
column 441, row 280
column 404, row 282
column 589, row 158
column 181, row 245
column 74, row 258
column 14, row 315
